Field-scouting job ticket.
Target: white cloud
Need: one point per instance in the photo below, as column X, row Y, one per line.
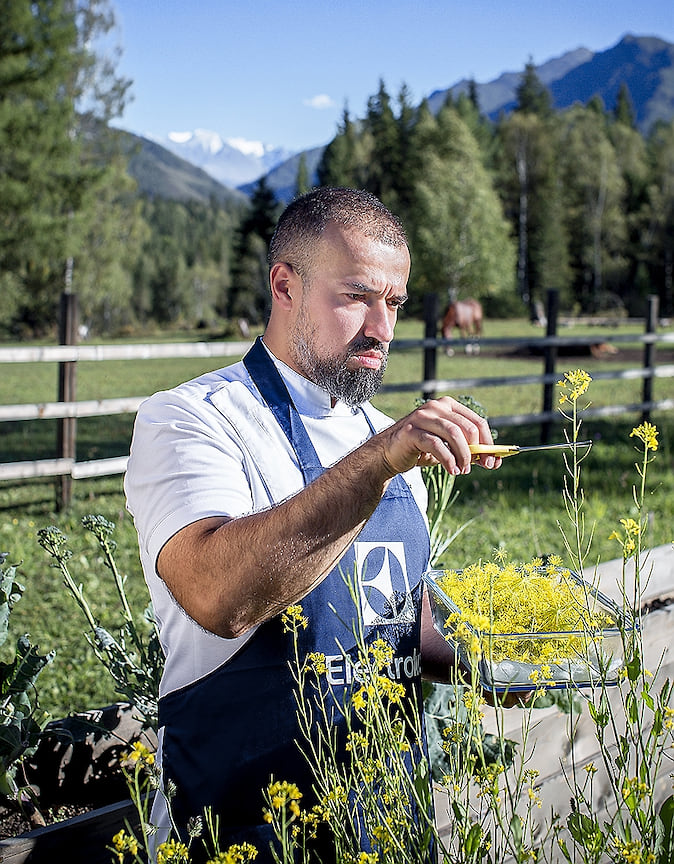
column 320, row 102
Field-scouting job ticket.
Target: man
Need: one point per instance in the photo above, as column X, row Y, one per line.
column 260, row 485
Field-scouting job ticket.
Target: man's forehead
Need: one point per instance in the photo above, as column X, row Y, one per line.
column 358, row 243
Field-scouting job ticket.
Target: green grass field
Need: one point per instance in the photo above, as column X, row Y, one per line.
column 518, row 507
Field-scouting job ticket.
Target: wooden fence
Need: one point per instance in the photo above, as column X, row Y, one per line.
column 67, row 409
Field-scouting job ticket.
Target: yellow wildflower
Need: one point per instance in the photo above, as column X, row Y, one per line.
column 393, row 690
column 172, row 852
column 647, row 433
column 574, row 384
column 284, row 794
column 356, row 740
column 139, row 754
column 358, row 699
column 382, row 653
column 239, row 853
column 633, row 787
column 632, row 851
column 629, row 539
column 293, row 618
column 534, row 797
column 123, row 842
column 317, row 661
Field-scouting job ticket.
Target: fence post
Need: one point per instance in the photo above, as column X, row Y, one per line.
column 67, row 434
column 550, row 361
column 649, row 354
column 430, row 333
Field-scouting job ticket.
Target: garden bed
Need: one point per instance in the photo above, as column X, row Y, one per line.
column 82, row 794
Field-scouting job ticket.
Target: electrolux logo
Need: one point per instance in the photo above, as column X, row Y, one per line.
column 341, row 669
column 384, row 585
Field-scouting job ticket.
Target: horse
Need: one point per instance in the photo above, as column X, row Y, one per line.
column 466, row 316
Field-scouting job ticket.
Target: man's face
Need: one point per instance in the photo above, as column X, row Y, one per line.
column 344, row 323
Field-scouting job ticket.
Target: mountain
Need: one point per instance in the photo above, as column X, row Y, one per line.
column 644, row 63
column 200, row 164
column 282, row 179
column 495, row 94
column 165, row 175
column 232, row 161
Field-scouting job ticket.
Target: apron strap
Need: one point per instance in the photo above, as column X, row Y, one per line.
column 271, row 385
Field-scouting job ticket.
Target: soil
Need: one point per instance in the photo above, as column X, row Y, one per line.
column 14, row 822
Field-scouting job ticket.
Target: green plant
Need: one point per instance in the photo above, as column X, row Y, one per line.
column 634, row 729
column 133, row 656
column 21, row 720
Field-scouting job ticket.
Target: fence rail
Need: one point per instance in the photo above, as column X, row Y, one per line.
column 68, row 410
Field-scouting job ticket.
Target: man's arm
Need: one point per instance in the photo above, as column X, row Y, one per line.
column 231, row 574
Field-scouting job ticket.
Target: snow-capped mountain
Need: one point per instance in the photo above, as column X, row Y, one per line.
column 232, row 161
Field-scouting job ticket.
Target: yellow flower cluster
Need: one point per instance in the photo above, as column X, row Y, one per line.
column 633, row 852
column 172, row 852
column 382, row 687
column 292, row 619
column 316, row 659
column 648, row 434
column 239, row 853
column 363, row 858
column 629, row 538
column 283, row 794
column 382, row 653
column 573, row 385
column 635, row 789
column 123, row 843
column 139, row 755
column 514, row 600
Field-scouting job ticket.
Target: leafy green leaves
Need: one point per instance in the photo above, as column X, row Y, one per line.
column 21, row 721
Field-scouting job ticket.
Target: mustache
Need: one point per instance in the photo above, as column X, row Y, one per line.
column 367, row 343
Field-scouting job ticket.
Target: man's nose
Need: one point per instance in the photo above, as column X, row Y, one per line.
column 380, row 322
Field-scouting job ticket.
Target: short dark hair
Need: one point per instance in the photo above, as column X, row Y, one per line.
column 305, row 219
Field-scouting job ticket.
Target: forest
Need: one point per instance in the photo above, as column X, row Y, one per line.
column 502, row 210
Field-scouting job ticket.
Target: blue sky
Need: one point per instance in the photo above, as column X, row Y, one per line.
column 282, row 72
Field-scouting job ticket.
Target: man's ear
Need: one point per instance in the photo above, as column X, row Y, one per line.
column 283, row 282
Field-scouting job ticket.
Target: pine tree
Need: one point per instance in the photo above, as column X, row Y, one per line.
column 533, row 97
column 623, row 112
column 658, row 233
column 52, row 95
column 302, row 181
column 37, row 189
column 249, row 296
column 344, row 160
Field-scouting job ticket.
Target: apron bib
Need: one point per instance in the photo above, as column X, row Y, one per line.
column 228, row 733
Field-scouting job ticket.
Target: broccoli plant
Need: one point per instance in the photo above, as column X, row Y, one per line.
column 133, row 656
column 21, row 720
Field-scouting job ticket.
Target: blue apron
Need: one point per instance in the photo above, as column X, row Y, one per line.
column 226, row 734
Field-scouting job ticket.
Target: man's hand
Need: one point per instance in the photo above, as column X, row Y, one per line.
column 438, row 432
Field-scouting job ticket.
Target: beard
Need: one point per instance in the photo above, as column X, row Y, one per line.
column 331, row 373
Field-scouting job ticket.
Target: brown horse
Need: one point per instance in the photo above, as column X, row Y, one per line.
column 466, row 316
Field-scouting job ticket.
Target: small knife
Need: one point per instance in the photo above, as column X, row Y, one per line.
column 503, row 450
